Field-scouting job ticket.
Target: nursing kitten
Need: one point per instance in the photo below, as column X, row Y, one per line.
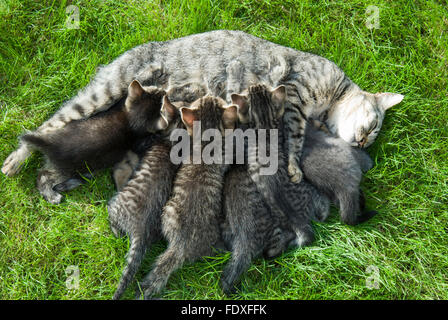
column 136, row 209
column 316, row 87
column 262, row 109
column 250, row 228
column 190, row 219
column 335, row 169
column 88, row 145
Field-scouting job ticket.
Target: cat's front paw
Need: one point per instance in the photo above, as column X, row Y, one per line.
column 294, row 171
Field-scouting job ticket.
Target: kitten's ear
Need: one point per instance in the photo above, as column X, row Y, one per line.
column 279, row 94
column 388, row 100
column 241, row 101
column 168, row 109
column 135, row 90
column 230, row 116
column 188, row 117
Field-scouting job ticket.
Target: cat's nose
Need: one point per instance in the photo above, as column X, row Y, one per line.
column 362, row 142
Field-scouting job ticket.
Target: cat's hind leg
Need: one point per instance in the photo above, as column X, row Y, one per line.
column 123, row 170
column 14, row 161
column 304, row 235
column 278, row 242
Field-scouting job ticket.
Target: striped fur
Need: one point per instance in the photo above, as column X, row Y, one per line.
column 316, row 86
column 251, row 228
column 191, row 218
column 136, row 209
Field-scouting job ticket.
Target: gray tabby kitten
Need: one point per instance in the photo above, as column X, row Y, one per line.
column 262, row 108
column 136, row 209
column 317, row 87
column 96, row 143
column 250, row 228
column 190, row 219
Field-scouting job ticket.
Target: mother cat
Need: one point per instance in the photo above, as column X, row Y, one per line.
column 316, row 87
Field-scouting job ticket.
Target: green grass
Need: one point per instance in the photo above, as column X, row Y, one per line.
column 42, row 63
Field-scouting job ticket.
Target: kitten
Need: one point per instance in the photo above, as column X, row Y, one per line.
column 335, row 169
column 316, row 87
column 262, row 108
column 250, row 228
column 190, row 219
column 88, row 145
column 136, row 209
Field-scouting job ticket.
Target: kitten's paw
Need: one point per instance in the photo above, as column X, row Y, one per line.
column 295, row 173
column 304, row 237
column 13, row 163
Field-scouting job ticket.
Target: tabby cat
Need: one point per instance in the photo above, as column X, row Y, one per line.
column 262, row 109
column 98, row 142
column 250, row 228
column 190, row 219
column 316, row 87
column 136, row 209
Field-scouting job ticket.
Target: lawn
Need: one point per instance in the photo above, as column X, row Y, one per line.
column 400, row 254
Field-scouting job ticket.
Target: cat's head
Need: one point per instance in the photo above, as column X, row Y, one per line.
column 145, row 109
column 259, row 106
column 358, row 116
column 212, row 112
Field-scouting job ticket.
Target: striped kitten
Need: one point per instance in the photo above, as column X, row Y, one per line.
column 250, row 227
column 136, row 209
column 262, row 109
column 96, row 143
column 190, row 219
column 316, row 87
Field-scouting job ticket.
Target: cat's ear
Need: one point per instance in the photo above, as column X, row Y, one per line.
column 242, row 102
column 279, row 94
column 188, row 117
column 230, row 116
column 387, row 100
column 168, row 109
column 135, row 90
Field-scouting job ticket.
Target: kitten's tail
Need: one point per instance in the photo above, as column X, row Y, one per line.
column 168, row 262
column 352, row 206
column 239, row 263
column 134, row 259
column 37, row 141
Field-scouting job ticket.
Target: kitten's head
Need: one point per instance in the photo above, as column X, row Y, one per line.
column 212, row 112
column 146, row 112
column 260, row 107
column 358, row 116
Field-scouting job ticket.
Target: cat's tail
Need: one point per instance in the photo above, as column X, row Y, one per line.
column 168, row 262
column 36, row 141
column 134, row 259
column 238, row 264
column 352, row 207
